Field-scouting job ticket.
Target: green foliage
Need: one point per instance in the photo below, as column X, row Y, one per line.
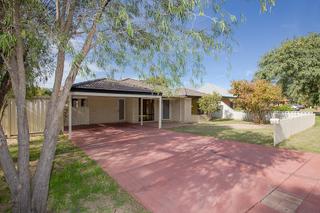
column 282, row 108
column 154, row 38
column 37, row 52
column 35, row 91
column 256, row 97
column 210, row 103
column 295, row 66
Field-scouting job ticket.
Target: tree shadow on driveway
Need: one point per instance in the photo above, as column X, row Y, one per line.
column 169, row 171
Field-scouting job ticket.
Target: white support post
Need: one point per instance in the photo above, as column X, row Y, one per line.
column 141, row 111
column 70, row 117
column 160, row 112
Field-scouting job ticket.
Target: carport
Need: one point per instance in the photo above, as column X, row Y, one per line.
column 107, row 101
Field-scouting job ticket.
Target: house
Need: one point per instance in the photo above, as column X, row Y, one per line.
column 130, row 101
column 226, row 97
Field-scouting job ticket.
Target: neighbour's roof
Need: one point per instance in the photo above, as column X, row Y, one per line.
column 105, row 85
column 127, row 86
column 188, row 92
column 209, row 88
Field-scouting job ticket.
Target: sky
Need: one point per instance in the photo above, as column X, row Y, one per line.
column 258, row 34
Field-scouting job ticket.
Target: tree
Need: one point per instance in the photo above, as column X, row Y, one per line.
column 295, row 66
column 161, row 36
column 210, row 103
column 257, row 97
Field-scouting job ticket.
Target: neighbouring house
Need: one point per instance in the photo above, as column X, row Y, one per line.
column 226, row 97
column 130, row 101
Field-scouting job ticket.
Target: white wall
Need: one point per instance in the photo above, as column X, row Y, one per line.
column 284, row 128
column 132, row 110
column 226, row 112
column 80, row 116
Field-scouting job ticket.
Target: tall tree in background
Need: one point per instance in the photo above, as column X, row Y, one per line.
column 161, row 36
column 295, row 66
column 256, row 97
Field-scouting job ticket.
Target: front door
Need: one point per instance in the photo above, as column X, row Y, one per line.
column 121, row 109
column 147, row 109
column 165, row 109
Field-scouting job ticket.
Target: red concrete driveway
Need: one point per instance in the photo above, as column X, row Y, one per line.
column 178, row 172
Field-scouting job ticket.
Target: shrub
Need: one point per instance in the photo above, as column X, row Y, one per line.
column 210, row 103
column 282, row 108
column 256, row 97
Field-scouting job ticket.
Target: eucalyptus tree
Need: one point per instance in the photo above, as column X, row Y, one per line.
column 163, row 37
column 295, row 66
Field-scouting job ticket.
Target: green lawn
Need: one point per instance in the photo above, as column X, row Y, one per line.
column 77, row 184
column 308, row 140
column 224, row 129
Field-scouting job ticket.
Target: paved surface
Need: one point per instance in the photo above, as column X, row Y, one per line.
column 178, row 172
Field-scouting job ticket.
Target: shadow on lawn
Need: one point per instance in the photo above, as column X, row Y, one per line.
column 188, row 173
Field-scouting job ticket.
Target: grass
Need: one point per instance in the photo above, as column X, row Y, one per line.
column 224, row 129
column 77, row 183
column 307, row 140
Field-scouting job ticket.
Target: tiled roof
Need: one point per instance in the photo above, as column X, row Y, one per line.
column 108, row 85
column 127, row 85
column 188, row 92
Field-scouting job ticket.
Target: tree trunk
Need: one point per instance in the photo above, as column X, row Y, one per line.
column 41, row 179
column 44, row 167
column 9, row 170
column 19, row 180
column 18, row 80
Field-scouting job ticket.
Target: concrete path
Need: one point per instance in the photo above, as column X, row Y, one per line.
column 177, row 172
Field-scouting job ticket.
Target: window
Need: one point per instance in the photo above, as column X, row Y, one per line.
column 79, row 102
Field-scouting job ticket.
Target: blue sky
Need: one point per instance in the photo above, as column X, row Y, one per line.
column 260, row 33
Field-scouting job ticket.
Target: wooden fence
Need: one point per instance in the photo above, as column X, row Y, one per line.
column 36, row 113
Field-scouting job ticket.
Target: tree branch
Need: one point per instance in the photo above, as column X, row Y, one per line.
column 68, row 23
column 58, row 11
column 7, row 164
